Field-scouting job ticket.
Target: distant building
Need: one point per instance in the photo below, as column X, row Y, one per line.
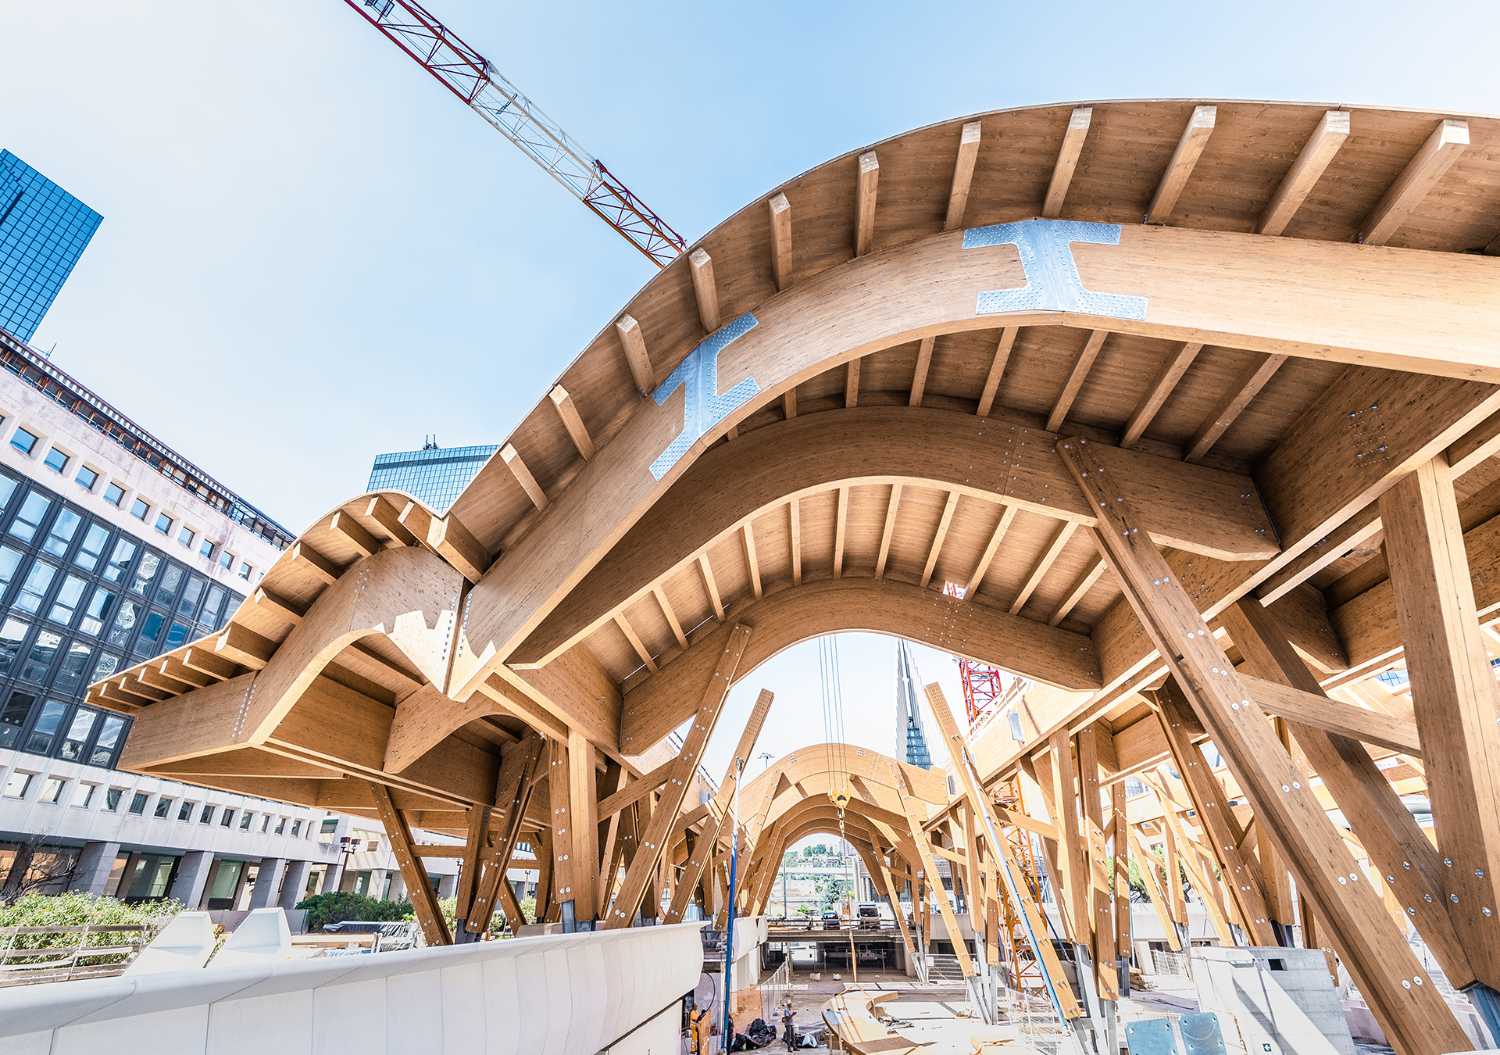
column 43, row 231
column 436, row 475
column 911, row 741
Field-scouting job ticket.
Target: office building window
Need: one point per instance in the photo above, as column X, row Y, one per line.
column 280, row 825
column 139, row 508
column 296, row 829
column 45, row 727
column 17, row 784
column 34, row 590
column 107, row 746
column 245, row 570
column 163, row 807
column 205, row 548
column 83, row 794
column 60, row 535
column 163, row 524
column 91, row 549
column 23, row 440
column 112, row 799
column 226, row 559
column 265, row 822
column 185, row 536
column 78, row 734
column 138, row 803
column 29, row 517
column 228, row 819
column 185, row 811
column 56, row 460
column 114, row 494
column 87, row 478
column 207, row 816
column 52, row 790
column 245, row 818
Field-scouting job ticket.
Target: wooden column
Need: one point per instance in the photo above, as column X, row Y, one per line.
column 583, row 818
column 476, row 845
column 1395, row 843
column 518, row 765
column 1121, row 840
column 1412, row 1012
column 1071, row 859
column 1154, row 889
column 1101, row 907
column 1203, row 882
column 1453, row 692
column 648, row 853
column 718, row 809
column 929, row 867
column 424, row 901
column 892, row 896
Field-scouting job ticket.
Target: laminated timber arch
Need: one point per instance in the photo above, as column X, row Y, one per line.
column 1307, row 317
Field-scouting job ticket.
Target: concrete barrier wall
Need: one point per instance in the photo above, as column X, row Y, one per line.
column 555, row 995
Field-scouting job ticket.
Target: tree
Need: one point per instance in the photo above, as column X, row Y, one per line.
column 38, row 870
column 830, row 890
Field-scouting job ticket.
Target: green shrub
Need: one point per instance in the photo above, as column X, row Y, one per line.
column 76, row 910
column 336, row 907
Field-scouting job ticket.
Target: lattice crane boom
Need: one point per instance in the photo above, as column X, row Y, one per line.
column 474, row 79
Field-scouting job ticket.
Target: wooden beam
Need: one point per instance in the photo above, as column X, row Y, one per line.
column 633, row 347
column 380, row 510
column 1184, row 159
column 1155, row 890
column 572, row 421
column 851, row 384
column 789, row 404
column 981, row 569
column 794, row 539
column 1415, row 1018
column 919, row 374
column 354, row 532
column 747, row 538
column 892, row 505
column 314, row 562
column 963, row 175
column 1233, row 405
column 1171, row 372
column 449, row 539
column 780, row 212
column 623, row 622
column 1076, row 377
column 424, row 900
column 1074, row 134
column 513, row 791
column 840, row 532
column 209, row 662
column 648, row 854
column 1101, row 909
column 705, row 289
column 711, row 585
column 1453, row 689
column 243, row 646
column 1303, row 176
column 517, row 465
column 1044, row 564
column 1390, row 835
column 713, row 827
column 1437, row 154
column 944, row 522
column 470, row 853
column 998, row 363
column 1333, row 716
column 669, row 615
column 923, row 844
column 278, row 606
column 1071, row 856
column 1080, row 589
column 575, row 829
column 867, row 182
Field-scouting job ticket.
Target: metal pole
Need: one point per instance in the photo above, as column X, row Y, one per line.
column 734, row 860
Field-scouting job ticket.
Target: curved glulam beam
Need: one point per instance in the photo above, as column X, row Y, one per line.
column 1356, row 304
column 1201, row 510
column 661, row 702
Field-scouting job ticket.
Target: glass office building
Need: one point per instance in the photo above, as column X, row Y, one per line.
column 43, row 231
column 436, row 475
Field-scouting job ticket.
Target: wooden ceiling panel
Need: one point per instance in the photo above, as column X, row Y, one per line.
column 1128, row 147
column 1293, row 388
column 1214, row 373
column 1119, row 379
column 1038, row 368
column 1016, row 154
column 1026, row 539
column 921, row 509
column 969, row 532
column 960, row 362
column 818, row 514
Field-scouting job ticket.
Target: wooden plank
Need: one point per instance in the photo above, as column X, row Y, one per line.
column 1386, row 829
column 636, row 790
column 380, row 510
column 923, row 846
column 1333, row 716
column 711, row 586
column 517, row 465
column 513, row 790
column 1076, row 377
column 449, row 539
column 780, row 212
column 1074, row 134
column 851, row 384
column 1184, row 159
column 641, row 651
column 1303, row 176
column 648, row 854
column 469, row 854
column 583, row 822
column 1453, row 689
column 1171, row 372
column 1415, row 1018
column 963, row 175
column 886, row 530
column 572, row 421
column 355, row 533
column 1071, row 853
column 747, row 538
column 998, row 362
column 840, row 532
column 244, row 646
column 794, row 539
column 670, row 616
column 1080, row 589
column 424, row 900
column 1233, row 405
column 866, row 186
column 919, row 373
column 314, row 562
column 1101, row 908
column 705, row 289
column 1007, row 517
column 789, row 403
column 633, row 347
column 713, row 827
column 1155, row 889
column 1437, row 154
column 1044, row 564
column 944, row 522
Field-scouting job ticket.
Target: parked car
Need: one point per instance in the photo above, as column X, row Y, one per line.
column 832, row 921
column 869, row 916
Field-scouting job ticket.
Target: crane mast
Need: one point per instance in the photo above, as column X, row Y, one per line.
column 474, row 79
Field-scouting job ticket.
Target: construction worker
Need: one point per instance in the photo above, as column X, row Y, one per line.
column 788, row 1025
column 700, row 1028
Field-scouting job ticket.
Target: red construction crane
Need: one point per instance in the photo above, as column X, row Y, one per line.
column 471, row 77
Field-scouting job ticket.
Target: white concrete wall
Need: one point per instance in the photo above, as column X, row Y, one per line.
column 555, row 995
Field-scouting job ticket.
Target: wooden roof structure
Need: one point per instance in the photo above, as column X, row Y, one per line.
column 1093, row 393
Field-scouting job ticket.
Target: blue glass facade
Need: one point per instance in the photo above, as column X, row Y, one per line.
column 43, row 231
column 435, row 475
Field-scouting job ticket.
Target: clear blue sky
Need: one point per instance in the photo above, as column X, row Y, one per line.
column 312, row 253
